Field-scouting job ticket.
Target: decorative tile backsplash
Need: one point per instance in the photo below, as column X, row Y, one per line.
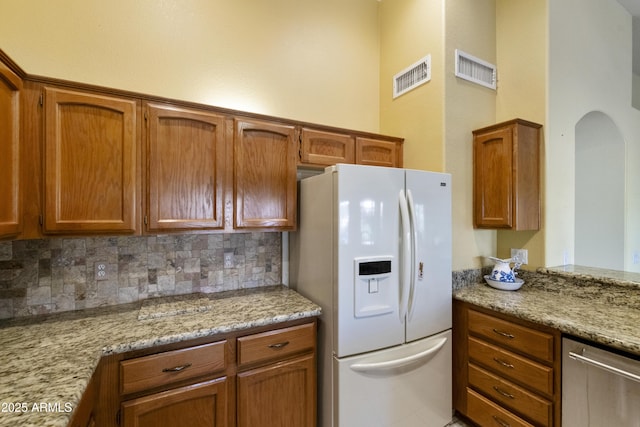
column 463, row 278
column 62, row 274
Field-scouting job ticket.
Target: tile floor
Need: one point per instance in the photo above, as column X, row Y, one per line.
column 456, row 422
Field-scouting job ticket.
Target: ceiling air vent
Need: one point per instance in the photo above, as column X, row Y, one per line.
column 412, row 76
column 475, row 70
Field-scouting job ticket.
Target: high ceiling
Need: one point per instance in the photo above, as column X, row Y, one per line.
column 633, row 6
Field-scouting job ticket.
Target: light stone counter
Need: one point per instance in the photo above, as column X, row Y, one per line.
column 605, row 313
column 46, row 363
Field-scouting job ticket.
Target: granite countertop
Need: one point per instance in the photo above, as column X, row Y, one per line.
column 46, row 363
column 602, row 311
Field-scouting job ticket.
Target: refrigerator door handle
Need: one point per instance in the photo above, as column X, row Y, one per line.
column 414, row 251
column 388, row 365
column 405, row 255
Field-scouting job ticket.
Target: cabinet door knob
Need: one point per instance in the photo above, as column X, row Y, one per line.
column 279, row 345
column 177, row 368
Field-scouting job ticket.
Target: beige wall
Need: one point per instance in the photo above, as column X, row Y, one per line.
column 410, row 30
column 329, row 62
column 521, row 43
column 471, row 27
column 299, row 59
column 437, row 118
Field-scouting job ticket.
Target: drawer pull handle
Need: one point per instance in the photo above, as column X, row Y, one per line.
column 502, row 392
column 279, row 345
column 177, row 368
column 503, row 363
column 500, row 421
column 504, row 334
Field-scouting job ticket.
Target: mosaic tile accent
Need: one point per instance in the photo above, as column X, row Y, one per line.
column 62, row 274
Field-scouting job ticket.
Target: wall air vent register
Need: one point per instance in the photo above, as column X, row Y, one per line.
column 412, row 76
column 475, row 70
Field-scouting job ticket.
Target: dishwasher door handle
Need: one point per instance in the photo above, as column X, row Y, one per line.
column 590, row 361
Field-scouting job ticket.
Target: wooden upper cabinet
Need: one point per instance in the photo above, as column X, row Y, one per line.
column 506, row 187
column 10, row 206
column 378, row 152
column 91, row 163
column 185, row 169
column 264, row 170
column 326, row 148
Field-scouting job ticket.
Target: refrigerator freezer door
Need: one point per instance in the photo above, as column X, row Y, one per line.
column 405, row 386
column 367, row 227
column 430, row 306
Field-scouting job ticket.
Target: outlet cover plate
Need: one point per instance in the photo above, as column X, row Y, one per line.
column 521, row 254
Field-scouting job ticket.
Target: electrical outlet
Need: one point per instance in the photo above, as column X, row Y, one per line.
column 636, row 257
column 521, row 254
column 228, row 260
column 101, row 271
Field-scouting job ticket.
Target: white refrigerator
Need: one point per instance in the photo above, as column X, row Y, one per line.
column 373, row 249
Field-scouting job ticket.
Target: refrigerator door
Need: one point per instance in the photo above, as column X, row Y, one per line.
column 366, row 294
column 405, row 386
column 429, row 311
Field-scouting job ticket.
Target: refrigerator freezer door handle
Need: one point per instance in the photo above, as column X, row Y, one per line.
column 414, row 251
column 388, row 365
column 405, row 255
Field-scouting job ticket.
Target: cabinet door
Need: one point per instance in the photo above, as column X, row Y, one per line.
column 264, row 175
column 198, row 405
column 376, row 152
column 185, row 169
column 10, row 209
column 326, row 148
column 493, row 185
column 83, row 414
column 90, row 163
column 278, row 395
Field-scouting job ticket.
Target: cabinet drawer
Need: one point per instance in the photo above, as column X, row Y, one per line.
column 275, row 344
column 535, row 343
column 165, row 368
column 510, row 395
column 513, row 366
column 486, row 413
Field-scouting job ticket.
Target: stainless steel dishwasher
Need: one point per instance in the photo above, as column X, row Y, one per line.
column 599, row 388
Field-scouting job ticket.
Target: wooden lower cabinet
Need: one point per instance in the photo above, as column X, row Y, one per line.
column 261, row 377
column 506, row 370
column 198, row 405
column 278, row 395
column 84, row 414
